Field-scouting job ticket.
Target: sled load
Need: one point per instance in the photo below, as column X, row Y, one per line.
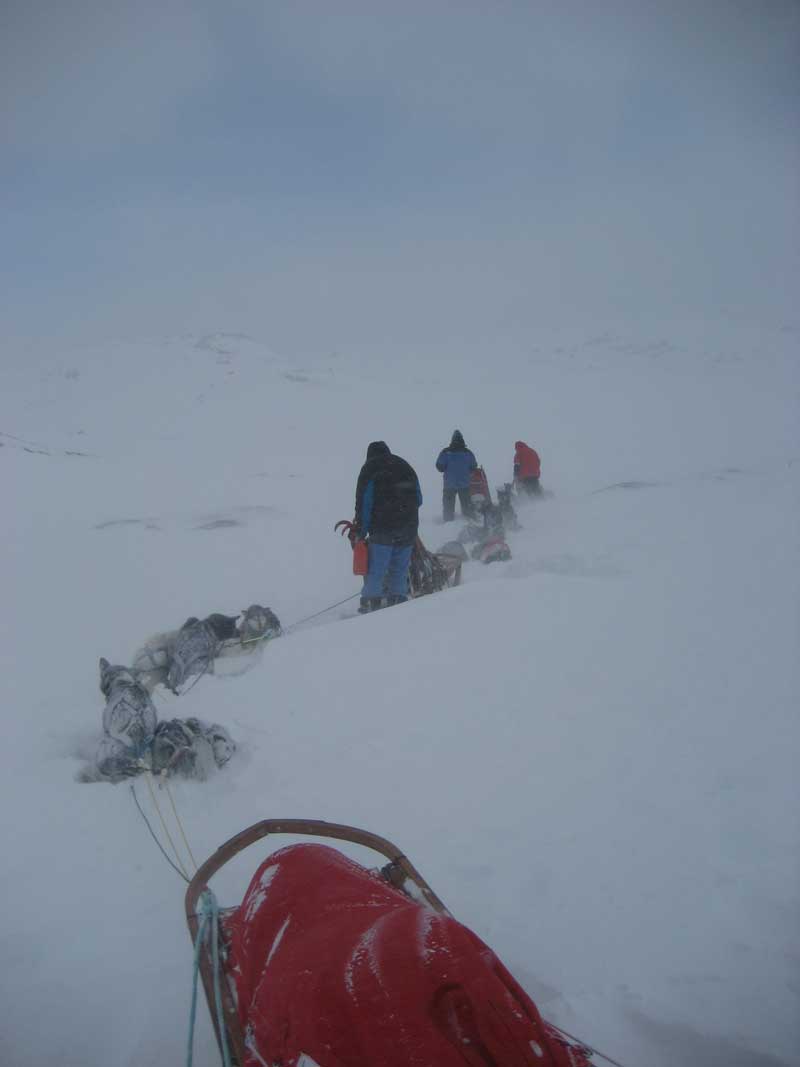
column 430, row 572
column 328, row 964
column 479, row 492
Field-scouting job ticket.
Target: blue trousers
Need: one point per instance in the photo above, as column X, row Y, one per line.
column 387, row 563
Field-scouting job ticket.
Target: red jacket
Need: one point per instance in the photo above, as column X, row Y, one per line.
column 526, row 461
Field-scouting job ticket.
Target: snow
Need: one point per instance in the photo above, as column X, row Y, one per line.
column 365, row 953
column 589, row 752
column 258, row 897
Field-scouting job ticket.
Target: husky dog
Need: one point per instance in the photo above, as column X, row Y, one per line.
column 190, row 748
column 504, row 496
column 129, row 722
column 192, row 651
column 257, row 624
column 129, row 715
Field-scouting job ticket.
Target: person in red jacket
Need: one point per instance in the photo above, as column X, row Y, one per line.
column 527, row 469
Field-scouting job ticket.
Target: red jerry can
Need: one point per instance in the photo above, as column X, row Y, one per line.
column 360, row 558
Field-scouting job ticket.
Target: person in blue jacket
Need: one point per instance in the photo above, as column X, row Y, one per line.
column 456, row 463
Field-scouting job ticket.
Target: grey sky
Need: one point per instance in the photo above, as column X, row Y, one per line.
column 329, row 173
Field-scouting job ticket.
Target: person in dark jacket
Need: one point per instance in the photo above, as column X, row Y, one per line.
column 388, row 500
column 456, row 463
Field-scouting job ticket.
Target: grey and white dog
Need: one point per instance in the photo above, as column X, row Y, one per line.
column 129, row 722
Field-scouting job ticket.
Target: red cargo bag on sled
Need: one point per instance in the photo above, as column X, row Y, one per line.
column 479, row 486
column 335, row 967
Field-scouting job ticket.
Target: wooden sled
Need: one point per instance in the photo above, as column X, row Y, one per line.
column 398, row 872
column 430, row 572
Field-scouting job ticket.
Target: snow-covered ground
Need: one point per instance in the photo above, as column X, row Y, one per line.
column 590, row 751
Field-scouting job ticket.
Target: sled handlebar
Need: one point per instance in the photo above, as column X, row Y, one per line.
column 396, row 871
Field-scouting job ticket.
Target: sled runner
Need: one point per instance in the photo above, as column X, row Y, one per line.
column 327, row 964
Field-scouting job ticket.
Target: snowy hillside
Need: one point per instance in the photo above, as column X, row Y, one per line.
column 589, row 751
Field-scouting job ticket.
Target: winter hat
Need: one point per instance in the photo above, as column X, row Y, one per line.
column 457, row 440
column 377, row 448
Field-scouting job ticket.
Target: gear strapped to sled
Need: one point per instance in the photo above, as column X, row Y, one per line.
column 328, row 963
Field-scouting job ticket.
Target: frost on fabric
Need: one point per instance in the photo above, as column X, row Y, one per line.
column 260, row 894
column 250, row 1045
column 365, row 951
column 412, row 890
column 278, row 939
column 426, row 947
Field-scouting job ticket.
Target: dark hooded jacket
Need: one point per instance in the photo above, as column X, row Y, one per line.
column 388, row 498
column 456, row 462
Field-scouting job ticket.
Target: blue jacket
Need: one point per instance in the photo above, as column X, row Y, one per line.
column 456, row 464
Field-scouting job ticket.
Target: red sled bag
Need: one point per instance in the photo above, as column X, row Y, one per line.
column 479, row 485
column 360, row 558
column 333, row 967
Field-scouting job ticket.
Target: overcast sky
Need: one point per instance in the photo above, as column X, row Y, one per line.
column 326, row 173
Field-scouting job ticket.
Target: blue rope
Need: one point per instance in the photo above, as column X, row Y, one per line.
column 209, row 913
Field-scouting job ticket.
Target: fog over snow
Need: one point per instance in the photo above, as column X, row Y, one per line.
column 240, row 242
column 589, row 750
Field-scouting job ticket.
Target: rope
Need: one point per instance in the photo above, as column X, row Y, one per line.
column 209, row 913
column 205, row 669
column 255, row 640
column 180, row 824
column 148, row 778
column 330, row 607
column 152, row 834
column 589, row 1049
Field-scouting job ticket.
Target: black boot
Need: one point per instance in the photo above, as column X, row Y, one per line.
column 395, row 599
column 369, row 603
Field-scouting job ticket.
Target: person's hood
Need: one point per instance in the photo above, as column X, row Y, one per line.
column 378, row 448
column 457, row 440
